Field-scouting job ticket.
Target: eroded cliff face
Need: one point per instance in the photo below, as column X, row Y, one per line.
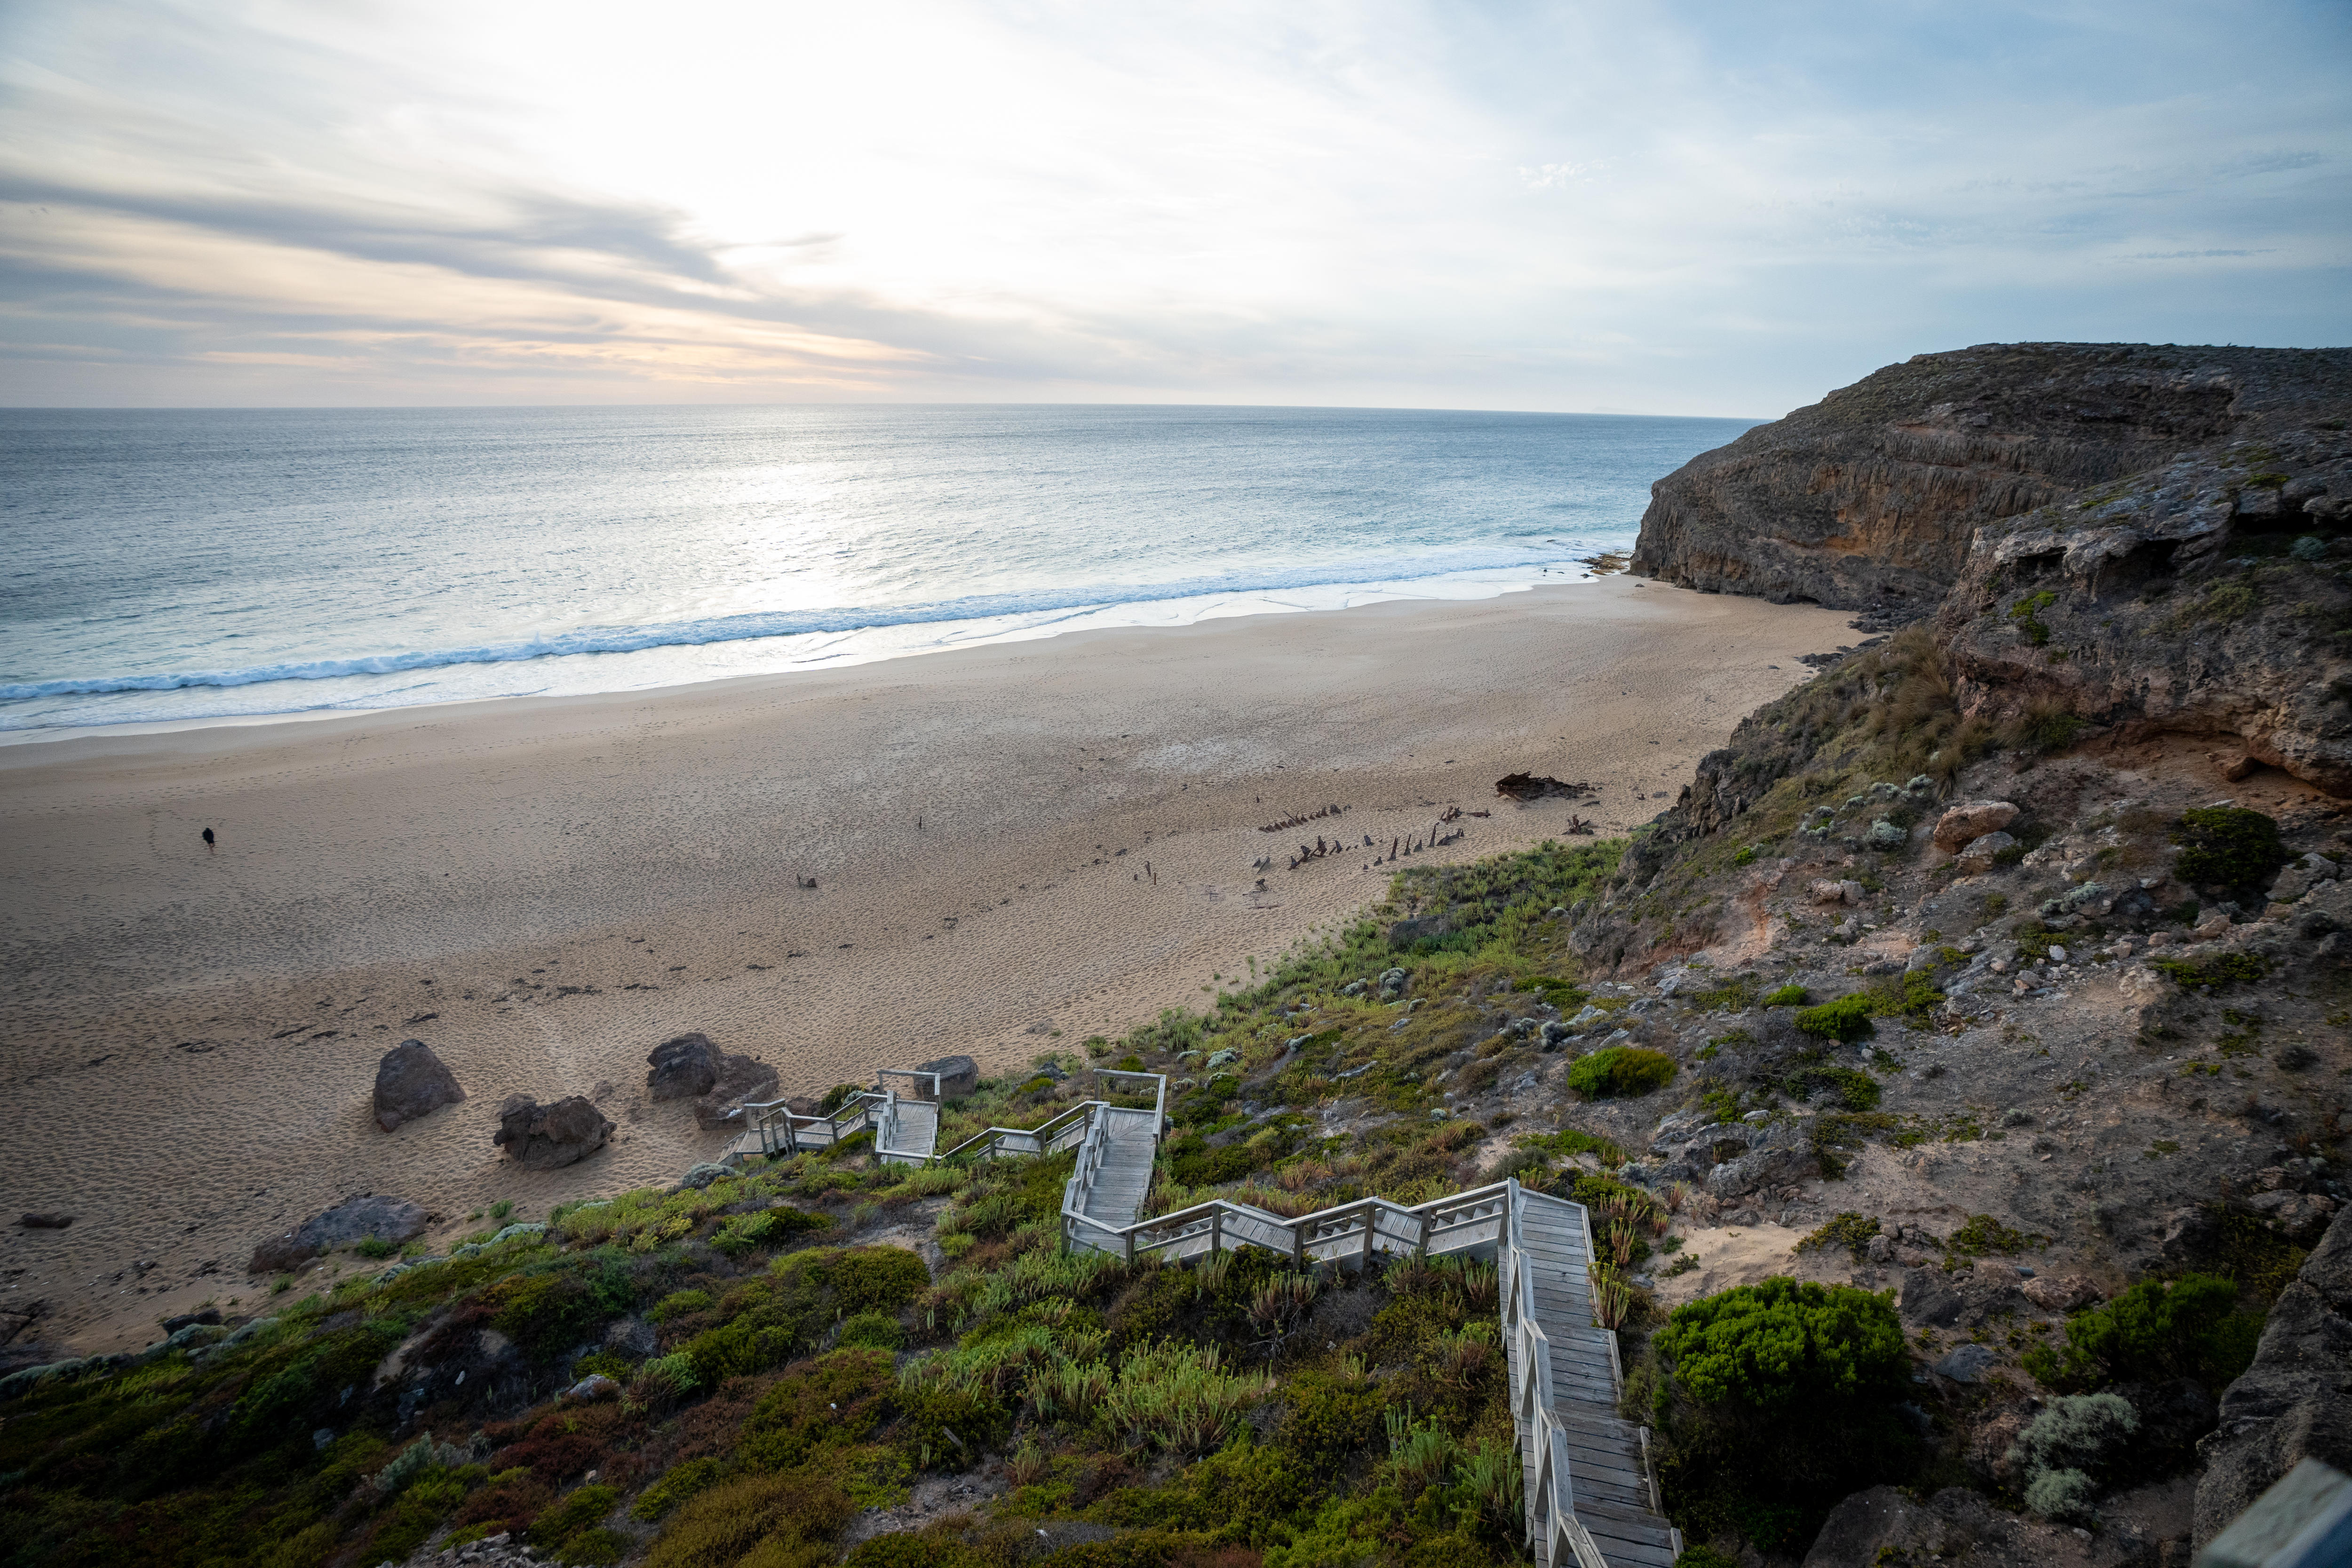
column 2205, row 598
column 1868, row 499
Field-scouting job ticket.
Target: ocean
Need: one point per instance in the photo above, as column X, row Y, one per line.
column 181, row 565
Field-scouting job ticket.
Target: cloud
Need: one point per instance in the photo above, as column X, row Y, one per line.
column 1683, row 210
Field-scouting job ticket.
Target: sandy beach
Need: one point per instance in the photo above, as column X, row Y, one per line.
column 1013, row 847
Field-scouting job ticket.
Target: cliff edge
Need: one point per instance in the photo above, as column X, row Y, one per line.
column 1868, row 499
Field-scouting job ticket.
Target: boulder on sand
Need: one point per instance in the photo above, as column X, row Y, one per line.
column 683, row 1068
column 548, row 1137
column 959, row 1076
column 410, row 1082
column 739, row 1078
column 388, row 1219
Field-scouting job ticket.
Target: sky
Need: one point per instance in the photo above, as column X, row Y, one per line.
column 1669, row 208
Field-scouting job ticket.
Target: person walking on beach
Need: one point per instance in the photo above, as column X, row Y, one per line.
column 208, row 840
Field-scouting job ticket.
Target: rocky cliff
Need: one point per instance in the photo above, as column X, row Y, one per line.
column 1868, row 499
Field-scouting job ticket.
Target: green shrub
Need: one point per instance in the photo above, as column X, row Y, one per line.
column 865, row 1279
column 1847, row 1018
column 677, row 1304
column 1621, row 1071
column 1781, row 1344
column 1787, row 997
column 1982, row 1234
column 1850, row 1230
column 2065, row 1496
column 1326, row 1420
column 1788, row 1397
column 2152, row 1333
column 720, row 1527
column 2226, row 847
column 681, row 1482
column 2212, row 973
column 875, row 1330
column 2075, row 1432
column 573, row 1515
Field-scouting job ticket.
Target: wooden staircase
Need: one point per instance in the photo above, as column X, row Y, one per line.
column 1592, row 1495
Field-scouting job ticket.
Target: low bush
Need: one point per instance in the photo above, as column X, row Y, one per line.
column 2226, row 847
column 1847, row 1018
column 774, row 1514
column 1779, row 1398
column 1787, row 997
column 2154, row 1331
column 1620, row 1072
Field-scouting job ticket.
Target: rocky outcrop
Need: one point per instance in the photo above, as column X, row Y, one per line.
column 2295, row 1401
column 1887, row 1525
column 387, row 1219
column 2174, row 603
column 548, row 1137
column 410, row 1082
column 1869, row 497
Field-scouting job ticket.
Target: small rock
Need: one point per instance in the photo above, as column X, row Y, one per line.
column 596, row 1385
column 1981, row 855
column 1971, row 820
column 1967, row 1363
column 46, row 1221
column 1825, row 892
column 210, row 1315
column 2060, row 1292
column 410, row 1082
column 2292, row 884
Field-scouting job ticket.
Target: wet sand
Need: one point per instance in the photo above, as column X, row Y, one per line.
column 544, row 889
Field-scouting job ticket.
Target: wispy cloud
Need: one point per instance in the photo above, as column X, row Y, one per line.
column 1540, row 206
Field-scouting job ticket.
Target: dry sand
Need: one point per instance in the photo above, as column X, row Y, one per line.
column 544, row 889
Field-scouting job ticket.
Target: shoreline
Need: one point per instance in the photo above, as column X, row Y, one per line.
column 543, row 889
column 681, row 664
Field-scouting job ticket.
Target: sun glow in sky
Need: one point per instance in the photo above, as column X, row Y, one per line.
column 1695, row 208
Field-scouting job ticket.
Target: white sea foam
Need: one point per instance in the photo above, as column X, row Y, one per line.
column 181, row 567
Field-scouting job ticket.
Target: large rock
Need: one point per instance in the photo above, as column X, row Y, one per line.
column 1981, row 855
column 1765, row 1168
column 683, row 1068
column 388, row 1219
column 1887, row 1525
column 410, row 1082
column 548, row 1137
column 1870, row 497
column 959, row 1076
column 739, row 1078
column 2295, row 1401
column 1971, row 820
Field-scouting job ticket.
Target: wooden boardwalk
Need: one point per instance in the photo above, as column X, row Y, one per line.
column 1122, row 1175
column 1608, row 1483
column 914, row 1130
